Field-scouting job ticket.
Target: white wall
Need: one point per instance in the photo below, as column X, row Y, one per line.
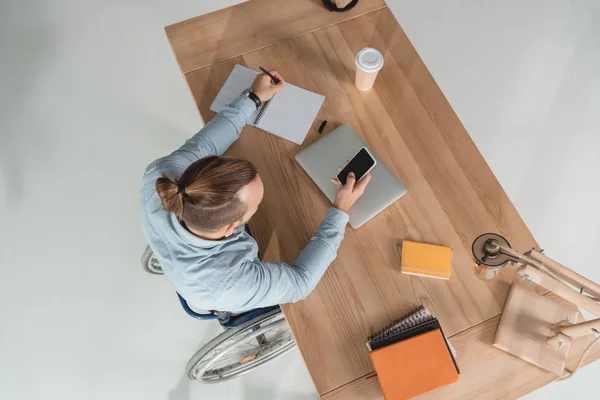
column 523, row 77
column 90, row 93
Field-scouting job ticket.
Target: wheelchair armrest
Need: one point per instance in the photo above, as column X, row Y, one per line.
column 194, row 314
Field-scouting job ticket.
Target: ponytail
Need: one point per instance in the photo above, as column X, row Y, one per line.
column 171, row 200
column 205, row 197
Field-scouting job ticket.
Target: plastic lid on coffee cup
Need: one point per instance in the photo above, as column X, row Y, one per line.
column 369, row 59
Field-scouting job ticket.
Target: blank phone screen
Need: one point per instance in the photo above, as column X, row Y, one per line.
column 360, row 164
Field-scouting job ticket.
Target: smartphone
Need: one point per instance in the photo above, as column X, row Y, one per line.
column 360, row 164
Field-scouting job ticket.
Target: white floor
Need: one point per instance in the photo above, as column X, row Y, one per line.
column 90, row 93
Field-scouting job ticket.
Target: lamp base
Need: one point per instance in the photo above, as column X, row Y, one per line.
column 526, row 324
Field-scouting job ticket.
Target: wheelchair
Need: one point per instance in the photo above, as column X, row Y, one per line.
column 250, row 339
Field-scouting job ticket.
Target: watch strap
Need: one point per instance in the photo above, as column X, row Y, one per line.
column 252, row 96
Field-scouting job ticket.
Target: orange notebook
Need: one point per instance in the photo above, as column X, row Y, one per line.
column 414, row 366
column 427, row 260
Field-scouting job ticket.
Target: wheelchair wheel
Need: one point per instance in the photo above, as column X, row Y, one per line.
column 150, row 263
column 240, row 350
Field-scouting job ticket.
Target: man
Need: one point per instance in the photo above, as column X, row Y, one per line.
column 195, row 203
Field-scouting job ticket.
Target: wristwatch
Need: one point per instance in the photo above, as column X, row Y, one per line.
column 249, row 93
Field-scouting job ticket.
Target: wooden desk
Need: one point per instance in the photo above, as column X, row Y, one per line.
column 486, row 372
column 452, row 194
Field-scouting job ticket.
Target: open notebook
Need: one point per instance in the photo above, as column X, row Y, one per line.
column 289, row 114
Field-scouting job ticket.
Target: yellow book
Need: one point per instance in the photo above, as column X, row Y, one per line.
column 427, row 260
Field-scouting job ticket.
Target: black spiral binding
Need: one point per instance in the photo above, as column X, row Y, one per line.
column 415, row 317
column 263, row 110
column 412, row 324
column 399, row 335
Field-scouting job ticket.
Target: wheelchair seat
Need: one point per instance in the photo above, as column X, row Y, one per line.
column 226, row 319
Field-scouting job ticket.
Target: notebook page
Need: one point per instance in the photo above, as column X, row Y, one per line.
column 240, row 79
column 291, row 113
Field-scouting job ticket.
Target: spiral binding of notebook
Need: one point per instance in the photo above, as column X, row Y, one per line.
column 263, row 110
column 417, row 321
column 412, row 356
column 415, row 317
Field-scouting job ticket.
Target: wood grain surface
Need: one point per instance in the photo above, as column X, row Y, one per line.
column 486, row 372
column 227, row 33
column 452, row 194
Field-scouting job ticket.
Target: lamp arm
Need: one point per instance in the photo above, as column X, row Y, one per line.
column 555, row 270
column 526, row 260
column 566, row 274
column 581, row 329
column 559, row 288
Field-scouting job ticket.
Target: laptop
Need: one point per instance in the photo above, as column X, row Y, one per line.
column 321, row 160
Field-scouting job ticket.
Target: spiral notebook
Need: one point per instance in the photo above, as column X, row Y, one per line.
column 411, row 356
column 289, row 114
column 415, row 322
column 414, row 365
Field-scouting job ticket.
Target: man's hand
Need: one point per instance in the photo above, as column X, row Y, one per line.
column 264, row 88
column 350, row 192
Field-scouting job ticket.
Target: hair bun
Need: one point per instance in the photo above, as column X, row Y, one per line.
column 169, row 191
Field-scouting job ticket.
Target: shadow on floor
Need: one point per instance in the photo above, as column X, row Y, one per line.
column 182, row 390
column 251, row 390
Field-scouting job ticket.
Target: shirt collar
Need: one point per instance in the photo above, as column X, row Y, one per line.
column 203, row 243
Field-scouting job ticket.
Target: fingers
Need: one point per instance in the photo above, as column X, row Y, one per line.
column 363, row 182
column 278, row 76
column 350, row 180
column 336, row 182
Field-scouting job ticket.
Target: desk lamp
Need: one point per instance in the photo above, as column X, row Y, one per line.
column 533, row 327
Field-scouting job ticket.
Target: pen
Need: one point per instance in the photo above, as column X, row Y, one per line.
column 273, row 79
column 322, row 126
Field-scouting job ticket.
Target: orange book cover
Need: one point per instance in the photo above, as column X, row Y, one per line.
column 414, row 366
column 425, row 259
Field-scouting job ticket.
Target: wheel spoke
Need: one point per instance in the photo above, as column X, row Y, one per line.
column 244, row 350
column 217, row 350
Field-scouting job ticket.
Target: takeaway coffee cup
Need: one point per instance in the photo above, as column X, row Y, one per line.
column 368, row 63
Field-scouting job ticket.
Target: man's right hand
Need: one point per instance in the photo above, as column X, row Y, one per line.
column 264, row 88
column 350, row 192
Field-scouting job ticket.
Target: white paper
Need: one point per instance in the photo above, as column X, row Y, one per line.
column 290, row 113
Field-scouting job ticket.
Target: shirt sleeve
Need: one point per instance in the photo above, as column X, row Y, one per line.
column 213, row 139
column 267, row 284
column 220, row 133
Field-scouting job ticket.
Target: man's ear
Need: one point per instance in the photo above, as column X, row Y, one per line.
column 231, row 227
